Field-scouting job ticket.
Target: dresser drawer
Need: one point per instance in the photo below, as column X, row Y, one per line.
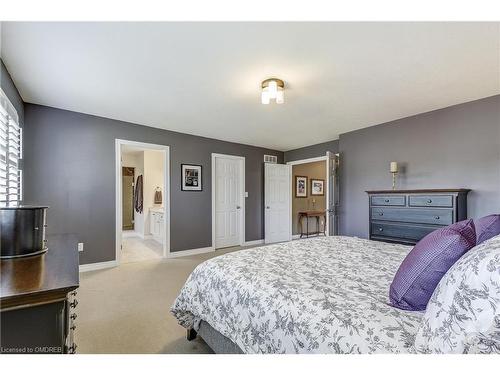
column 412, row 233
column 388, row 200
column 413, row 215
column 431, row 200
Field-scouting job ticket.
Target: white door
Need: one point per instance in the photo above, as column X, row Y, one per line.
column 228, row 201
column 333, row 194
column 278, row 217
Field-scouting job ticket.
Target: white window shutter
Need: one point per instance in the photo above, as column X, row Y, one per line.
column 10, row 154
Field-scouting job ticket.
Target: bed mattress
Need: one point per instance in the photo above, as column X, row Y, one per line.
column 319, row 295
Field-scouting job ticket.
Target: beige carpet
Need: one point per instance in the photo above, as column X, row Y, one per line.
column 126, row 309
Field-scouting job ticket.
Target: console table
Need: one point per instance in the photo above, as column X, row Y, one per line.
column 307, row 215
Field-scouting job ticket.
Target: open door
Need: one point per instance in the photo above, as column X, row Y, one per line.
column 333, row 193
column 277, row 203
column 127, row 198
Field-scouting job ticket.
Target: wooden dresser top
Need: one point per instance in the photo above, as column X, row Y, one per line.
column 418, row 191
column 41, row 278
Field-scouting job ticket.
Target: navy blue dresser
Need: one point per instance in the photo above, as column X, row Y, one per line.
column 406, row 216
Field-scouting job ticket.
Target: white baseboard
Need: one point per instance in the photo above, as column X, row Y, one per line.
column 253, row 243
column 97, row 266
column 185, row 253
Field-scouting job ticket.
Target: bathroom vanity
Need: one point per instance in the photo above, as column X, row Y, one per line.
column 156, row 223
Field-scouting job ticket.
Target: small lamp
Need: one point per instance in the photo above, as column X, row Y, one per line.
column 394, row 171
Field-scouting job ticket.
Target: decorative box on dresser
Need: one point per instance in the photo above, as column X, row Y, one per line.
column 406, row 216
column 38, row 299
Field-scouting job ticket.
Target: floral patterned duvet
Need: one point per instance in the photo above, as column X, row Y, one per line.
column 320, row 295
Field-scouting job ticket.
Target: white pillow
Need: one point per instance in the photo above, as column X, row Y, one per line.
column 464, row 310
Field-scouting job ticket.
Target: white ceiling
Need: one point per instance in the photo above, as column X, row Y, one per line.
column 204, row 78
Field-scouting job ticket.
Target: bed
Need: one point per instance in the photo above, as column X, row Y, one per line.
column 319, row 295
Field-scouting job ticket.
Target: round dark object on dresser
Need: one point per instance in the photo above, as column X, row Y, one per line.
column 22, row 231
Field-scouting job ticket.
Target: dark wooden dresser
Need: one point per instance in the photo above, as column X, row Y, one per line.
column 37, row 300
column 406, row 216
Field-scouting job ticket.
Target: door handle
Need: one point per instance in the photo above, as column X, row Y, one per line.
column 238, row 207
column 268, row 207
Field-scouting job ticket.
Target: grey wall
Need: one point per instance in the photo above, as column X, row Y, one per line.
column 454, row 147
column 10, row 90
column 70, row 165
column 313, row 151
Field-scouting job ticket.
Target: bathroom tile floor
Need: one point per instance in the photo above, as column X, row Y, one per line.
column 135, row 249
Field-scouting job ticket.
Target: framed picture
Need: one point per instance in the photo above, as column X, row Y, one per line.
column 191, row 177
column 300, row 187
column 317, row 186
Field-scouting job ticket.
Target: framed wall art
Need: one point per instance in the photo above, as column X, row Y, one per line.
column 191, row 177
column 300, row 186
column 317, row 186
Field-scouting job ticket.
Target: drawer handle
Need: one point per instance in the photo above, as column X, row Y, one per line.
column 380, row 214
column 74, row 304
column 72, row 349
column 73, row 293
column 73, row 327
column 380, row 229
column 387, row 201
column 436, row 217
column 73, row 316
column 429, row 200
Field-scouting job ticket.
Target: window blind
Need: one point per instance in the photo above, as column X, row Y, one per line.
column 10, row 154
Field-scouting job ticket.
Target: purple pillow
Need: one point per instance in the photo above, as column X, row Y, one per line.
column 427, row 262
column 487, row 227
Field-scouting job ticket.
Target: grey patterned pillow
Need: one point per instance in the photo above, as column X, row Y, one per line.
column 465, row 306
column 485, row 343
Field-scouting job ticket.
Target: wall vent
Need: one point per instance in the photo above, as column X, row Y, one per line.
column 270, row 159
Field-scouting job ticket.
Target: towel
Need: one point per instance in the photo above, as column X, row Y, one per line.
column 158, row 197
column 138, row 195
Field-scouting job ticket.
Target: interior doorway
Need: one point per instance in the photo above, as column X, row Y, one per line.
column 314, row 204
column 143, row 201
column 309, row 198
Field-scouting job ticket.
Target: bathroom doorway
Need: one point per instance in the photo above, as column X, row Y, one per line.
column 143, row 202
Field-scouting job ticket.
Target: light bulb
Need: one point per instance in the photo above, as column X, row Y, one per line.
column 273, row 89
column 265, row 96
column 280, row 96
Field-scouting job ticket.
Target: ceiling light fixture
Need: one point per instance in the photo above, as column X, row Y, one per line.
column 273, row 88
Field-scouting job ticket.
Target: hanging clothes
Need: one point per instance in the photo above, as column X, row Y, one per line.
column 138, row 197
column 158, row 197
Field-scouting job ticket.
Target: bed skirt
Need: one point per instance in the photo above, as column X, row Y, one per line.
column 219, row 343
